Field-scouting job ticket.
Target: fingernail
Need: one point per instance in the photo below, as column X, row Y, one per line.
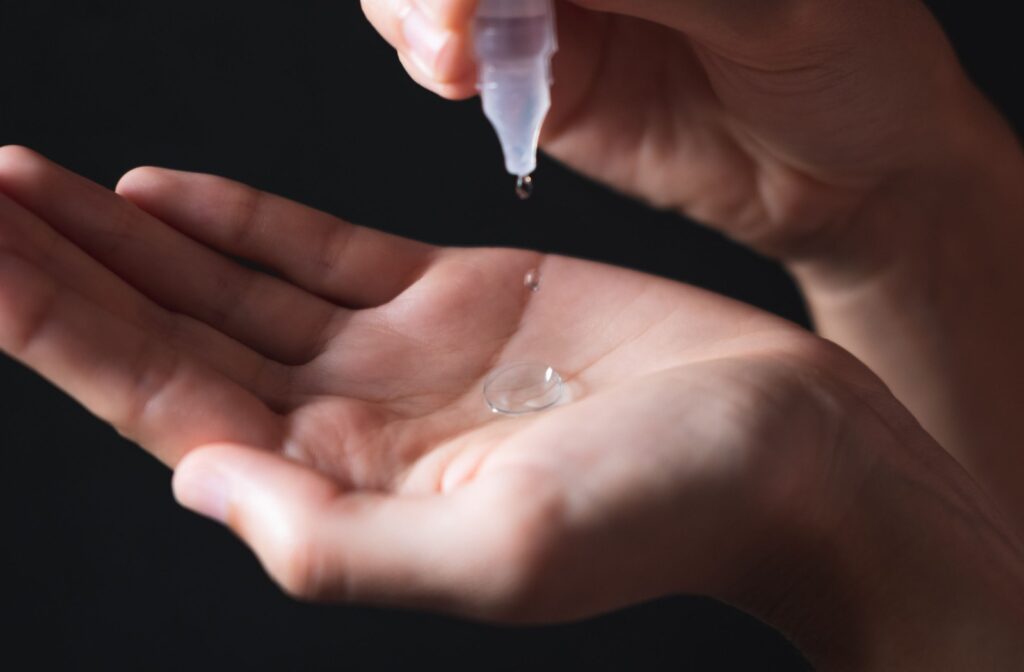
column 203, row 491
column 426, row 40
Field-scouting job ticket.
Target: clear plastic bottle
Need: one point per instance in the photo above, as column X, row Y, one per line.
column 514, row 41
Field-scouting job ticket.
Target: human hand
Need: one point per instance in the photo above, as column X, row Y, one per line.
column 777, row 122
column 333, row 416
column 364, row 362
column 842, row 138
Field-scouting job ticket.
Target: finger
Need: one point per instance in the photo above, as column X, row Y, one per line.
column 25, row 235
column 349, row 264
column 160, row 398
column 320, row 543
column 176, row 272
column 451, row 90
column 434, row 35
column 452, row 14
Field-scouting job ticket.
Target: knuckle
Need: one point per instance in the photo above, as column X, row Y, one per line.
column 153, row 372
column 246, row 216
column 336, row 248
column 121, row 231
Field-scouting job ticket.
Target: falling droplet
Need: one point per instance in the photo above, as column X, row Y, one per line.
column 519, row 389
column 524, row 186
column 532, row 280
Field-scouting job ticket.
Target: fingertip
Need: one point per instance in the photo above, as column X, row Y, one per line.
column 21, row 167
column 17, row 154
column 270, row 502
column 163, row 192
column 144, row 179
column 444, row 55
column 228, row 482
column 460, row 88
column 438, row 32
column 215, row 457
column 199, row 486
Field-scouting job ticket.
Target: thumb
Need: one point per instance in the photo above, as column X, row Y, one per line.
column 321, row 543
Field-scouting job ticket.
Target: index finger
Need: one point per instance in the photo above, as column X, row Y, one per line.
column 433, row 36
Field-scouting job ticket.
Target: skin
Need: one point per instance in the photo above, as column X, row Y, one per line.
column 842, row 138
column 332, row 416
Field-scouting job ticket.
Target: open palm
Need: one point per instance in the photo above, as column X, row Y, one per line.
column 362, row 359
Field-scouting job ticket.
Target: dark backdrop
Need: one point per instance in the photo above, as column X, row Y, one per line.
column 100, row 568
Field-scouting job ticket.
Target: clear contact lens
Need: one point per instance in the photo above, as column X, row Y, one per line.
column 518, row 389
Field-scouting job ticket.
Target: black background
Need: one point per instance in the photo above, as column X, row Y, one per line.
column 100, row 567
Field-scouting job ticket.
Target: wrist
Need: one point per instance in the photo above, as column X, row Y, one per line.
column 924, row 288
column 960, row 197
column 901, row 566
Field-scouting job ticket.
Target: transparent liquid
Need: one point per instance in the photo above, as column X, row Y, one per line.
column 524, row 187
column 521, row 388
column 532, row 280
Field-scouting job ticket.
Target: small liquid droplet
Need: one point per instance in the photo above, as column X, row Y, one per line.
column 518, row 389
column 524, row 187
column 532, row 280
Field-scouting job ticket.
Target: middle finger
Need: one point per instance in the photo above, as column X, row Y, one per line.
column 26, row 235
